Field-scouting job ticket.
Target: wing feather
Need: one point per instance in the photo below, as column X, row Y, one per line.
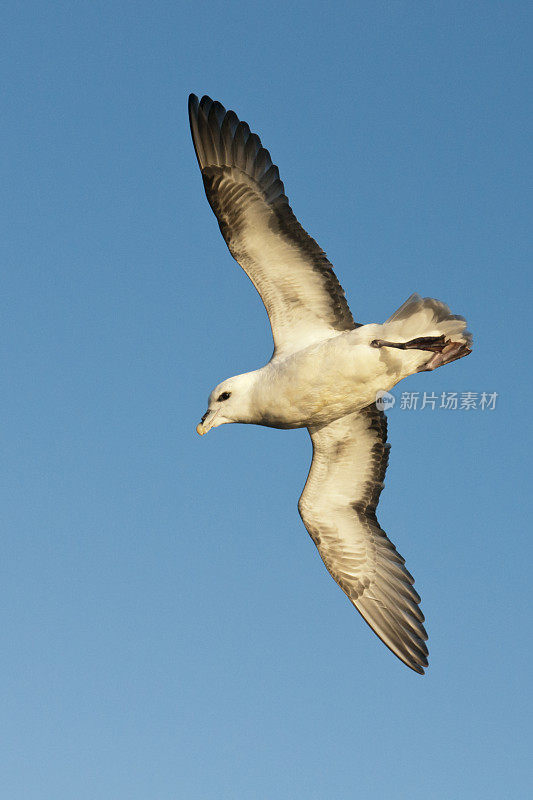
column 338, row 507
column 303, row 298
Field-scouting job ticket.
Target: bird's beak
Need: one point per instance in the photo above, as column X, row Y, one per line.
column 206, row 423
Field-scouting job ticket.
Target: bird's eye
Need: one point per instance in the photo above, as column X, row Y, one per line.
column 223, row 396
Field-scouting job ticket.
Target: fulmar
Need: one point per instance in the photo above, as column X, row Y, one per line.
column 325, row 373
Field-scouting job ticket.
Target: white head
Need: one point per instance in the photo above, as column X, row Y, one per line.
column 230, row 401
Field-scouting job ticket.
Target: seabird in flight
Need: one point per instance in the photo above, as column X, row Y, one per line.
column 324, row 375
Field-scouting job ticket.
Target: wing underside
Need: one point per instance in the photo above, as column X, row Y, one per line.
column 303, row 298
column 338, row 507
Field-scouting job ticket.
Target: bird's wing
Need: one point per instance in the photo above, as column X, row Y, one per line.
column 303, row 298
column 338, row 507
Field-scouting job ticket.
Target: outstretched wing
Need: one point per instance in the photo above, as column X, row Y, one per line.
column 338, row 507
column 303, row 298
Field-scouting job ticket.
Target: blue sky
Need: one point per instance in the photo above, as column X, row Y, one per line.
column 168, row 628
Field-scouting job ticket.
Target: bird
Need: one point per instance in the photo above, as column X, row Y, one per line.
column 327, row 373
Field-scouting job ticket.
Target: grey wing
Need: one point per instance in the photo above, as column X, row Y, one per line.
column 303, row 298
column 338, row 507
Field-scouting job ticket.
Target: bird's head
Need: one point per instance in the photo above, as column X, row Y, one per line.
column 230, row 401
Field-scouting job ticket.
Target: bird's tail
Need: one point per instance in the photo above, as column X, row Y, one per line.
column 429, row 324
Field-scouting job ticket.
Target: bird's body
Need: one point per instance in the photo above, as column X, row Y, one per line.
column 325, row 373
column 324, row 381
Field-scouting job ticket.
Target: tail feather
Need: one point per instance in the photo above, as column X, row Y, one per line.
column 425, row 316
column 424, row 319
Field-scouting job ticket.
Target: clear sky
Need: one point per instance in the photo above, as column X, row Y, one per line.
column 168, row 628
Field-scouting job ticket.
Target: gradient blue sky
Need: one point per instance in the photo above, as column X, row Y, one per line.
column 168, row 629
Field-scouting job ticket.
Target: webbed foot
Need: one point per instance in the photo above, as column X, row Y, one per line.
column 444, row 349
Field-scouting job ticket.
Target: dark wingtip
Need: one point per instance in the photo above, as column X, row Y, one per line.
column 195, row 104
column 418, row 663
